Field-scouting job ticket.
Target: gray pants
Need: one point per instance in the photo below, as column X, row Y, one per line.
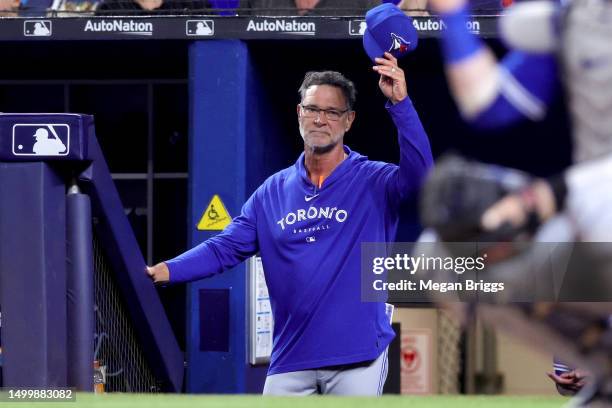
column 363, row 379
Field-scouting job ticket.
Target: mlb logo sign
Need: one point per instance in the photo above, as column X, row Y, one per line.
column 200, row 27
column 357, row 27
column 37, row 28
column 34, row 139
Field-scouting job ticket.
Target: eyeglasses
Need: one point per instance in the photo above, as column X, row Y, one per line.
column 310, row 111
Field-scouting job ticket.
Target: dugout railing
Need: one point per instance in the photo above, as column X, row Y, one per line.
column 73, row 287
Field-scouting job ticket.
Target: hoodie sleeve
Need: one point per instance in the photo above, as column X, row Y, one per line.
column 233, row 245
column 415, row 153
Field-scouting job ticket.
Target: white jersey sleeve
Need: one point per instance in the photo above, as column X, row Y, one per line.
column 589, row 199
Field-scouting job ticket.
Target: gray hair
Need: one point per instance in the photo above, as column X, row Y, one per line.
column 331, row 78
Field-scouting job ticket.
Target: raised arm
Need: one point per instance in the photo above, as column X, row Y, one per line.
column 489, row 93
column 415, row 151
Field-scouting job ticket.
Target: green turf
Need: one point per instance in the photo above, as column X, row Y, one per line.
column 237, row 401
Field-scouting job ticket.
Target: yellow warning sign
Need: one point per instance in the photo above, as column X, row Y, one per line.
column 216, row 217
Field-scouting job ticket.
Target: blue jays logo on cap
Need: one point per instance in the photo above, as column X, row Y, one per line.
column 399, row 46
column 389, row 29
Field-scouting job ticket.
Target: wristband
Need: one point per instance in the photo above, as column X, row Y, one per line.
column 457, row 42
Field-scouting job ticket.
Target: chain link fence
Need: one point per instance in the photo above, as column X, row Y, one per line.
column 449, row 346
column 116, row 345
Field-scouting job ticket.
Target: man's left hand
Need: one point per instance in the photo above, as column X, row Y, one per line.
column 392, row 81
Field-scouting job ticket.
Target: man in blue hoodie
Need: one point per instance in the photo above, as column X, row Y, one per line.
column 308, row 222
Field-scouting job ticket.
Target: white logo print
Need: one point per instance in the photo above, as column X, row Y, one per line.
column 313, row 213
column 200, row 27
column 283, row 26
column 132, row 27
column 41, row 139
column 357, row 27
column 310, row 198
column 398, row 43
column 37, row 28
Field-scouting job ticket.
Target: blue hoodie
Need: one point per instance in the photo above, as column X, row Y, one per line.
column 310, row 244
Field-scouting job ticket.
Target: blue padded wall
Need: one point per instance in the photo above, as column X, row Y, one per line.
column 220, row 99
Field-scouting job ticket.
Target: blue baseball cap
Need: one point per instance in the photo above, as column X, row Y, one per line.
column 389, row 30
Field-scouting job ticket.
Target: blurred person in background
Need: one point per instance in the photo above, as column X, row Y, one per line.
column 9, row 8
column 478, row 7
column 123, row 7
column 414, row 7
column 551, row 44
column 308, row 7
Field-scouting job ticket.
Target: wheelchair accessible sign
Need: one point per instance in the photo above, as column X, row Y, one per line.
column 215, row 217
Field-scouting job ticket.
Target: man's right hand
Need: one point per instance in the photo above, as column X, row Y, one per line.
column 159, row 273
column 514, row 209
column 571, row 382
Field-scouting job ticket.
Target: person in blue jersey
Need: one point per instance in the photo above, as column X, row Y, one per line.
column 308, row 222
column 488, row 93
column 551, row 44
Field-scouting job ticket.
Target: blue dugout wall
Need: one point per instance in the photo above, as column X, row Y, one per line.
column 223, row 107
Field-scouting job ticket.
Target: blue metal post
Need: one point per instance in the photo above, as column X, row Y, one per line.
column 219, row 89
column 80, row 290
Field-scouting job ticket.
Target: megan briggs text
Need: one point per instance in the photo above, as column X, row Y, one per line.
column 468, row 285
